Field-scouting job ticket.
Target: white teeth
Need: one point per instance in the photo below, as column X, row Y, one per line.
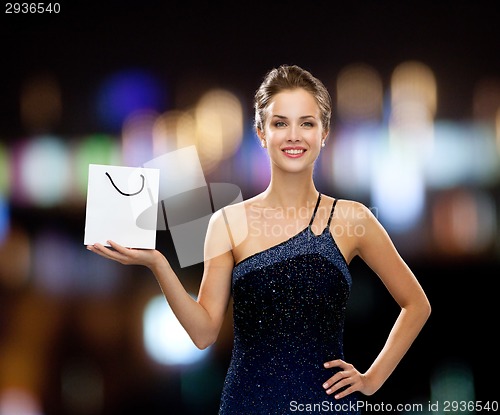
column 294, row 151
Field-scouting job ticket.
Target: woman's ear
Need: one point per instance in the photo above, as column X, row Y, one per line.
column 260, row 133
column 261, row 136
column 325, row 137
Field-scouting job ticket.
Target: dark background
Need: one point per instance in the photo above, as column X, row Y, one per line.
column 192, row 47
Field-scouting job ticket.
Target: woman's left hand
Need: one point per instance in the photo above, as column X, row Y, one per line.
column 348, row 378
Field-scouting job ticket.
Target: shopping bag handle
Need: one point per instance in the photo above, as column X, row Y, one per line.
column 123, row 193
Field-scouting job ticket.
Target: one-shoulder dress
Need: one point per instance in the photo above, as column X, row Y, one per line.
column 289, row 305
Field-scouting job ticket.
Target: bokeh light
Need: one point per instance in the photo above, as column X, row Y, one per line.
column 19, row 401
column 359, row 94
column 453, row 381
column 126, row 92
column 5, row 169
column 413, row 93
column 219, row 126
column 464, row 222
column 462, row 154
column 352, row 155
column 486, row 100
column 185, row 128
column 41, row 103
column 165, row 339
column 93, row 149
column 137, row 137
column 165, row 132
column 397, row 190
column 413, row 107
column 4, row 219
column 45, row 171
column 15, row 258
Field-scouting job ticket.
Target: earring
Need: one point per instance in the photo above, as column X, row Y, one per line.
column 323, row 144
column 263, row 143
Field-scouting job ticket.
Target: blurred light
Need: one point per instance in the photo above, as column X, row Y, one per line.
column 413, row 106
column 413, row 92
column 94, row 149
column 4, row 219
column 464, row 221
column 165, row 339
column 452, row 382
column 219, row 127
column 137, row 137
column 185, row 129
column 359, row 94
column 462, row 154
column 89, row 270
column 5, row 169
column 44, row 171
column 15, row 258
column 16, row 401
column 353, row 153
column 127, row 92
column 497, row 129
column 251, row 163
column 63, row 268
column 165, row 132
column 397, row 190
column 41, row 104
column 486, row 100
column 53, row 262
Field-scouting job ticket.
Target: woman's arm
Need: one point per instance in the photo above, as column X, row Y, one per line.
column 379, row 253
column 201, row 318
column 377, row 250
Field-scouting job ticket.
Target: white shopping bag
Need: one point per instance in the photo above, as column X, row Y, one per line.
column 117, row 197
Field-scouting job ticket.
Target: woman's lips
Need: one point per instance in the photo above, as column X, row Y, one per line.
column 294, row 152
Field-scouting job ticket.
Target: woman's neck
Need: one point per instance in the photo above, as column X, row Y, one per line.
column 290, row 190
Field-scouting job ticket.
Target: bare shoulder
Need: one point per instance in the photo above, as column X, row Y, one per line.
column 353, row 223
column 231, row 221
column 353, row 211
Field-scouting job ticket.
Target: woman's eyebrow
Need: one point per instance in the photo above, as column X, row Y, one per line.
column 284, row 117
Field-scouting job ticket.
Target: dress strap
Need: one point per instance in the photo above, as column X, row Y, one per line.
column 315, row 210
column 331, row 213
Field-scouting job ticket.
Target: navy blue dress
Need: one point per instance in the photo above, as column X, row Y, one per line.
column 289, row 305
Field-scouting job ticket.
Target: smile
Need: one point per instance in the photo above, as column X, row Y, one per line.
column 294, row 152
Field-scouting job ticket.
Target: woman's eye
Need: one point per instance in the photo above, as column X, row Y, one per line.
column 307, row 124
column 280, row 124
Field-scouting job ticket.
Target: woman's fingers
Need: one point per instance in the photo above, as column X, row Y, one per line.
column 123, row 255
column 118, row 253
column 348, row 378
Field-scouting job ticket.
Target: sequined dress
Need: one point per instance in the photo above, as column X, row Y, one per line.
column 289, row 305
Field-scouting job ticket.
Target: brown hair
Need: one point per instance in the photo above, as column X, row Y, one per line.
column 287, row 77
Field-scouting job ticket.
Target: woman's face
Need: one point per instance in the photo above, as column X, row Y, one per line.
column 293, row 132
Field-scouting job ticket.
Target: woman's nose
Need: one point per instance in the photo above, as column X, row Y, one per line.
column 294, row 134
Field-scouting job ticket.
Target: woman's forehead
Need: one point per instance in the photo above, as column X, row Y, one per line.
column 294, row 102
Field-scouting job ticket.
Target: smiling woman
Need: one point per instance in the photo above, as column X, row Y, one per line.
column 289, row 276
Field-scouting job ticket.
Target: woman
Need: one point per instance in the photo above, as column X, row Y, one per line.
column 288, row 273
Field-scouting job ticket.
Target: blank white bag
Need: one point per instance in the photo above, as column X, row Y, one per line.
column 116, row 197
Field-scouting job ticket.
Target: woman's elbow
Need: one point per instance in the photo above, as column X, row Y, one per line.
column 428, row 310
column 204, row 342
column 203, row 345
column 425, row 309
